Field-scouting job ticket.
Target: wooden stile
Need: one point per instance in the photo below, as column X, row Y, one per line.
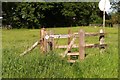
column 47, row 43
column 81, row 44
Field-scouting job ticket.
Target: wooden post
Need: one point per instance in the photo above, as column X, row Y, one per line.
column 81, row 44
column 51, row 42
column 42, row 34
column 101, row 40
column 69, row 38
column 45, row 41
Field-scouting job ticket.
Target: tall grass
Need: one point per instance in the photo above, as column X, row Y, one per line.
column 50, row 65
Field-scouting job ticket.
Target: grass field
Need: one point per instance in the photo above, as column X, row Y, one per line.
column 37, row 65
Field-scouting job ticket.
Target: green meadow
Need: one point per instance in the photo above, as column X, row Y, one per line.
column 50, row 65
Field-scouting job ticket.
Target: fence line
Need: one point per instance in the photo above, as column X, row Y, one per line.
column 47, row 43
column 49, row 40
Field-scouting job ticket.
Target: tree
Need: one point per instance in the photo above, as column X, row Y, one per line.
column 8, row 10
column 35, row 15
column 115, row 15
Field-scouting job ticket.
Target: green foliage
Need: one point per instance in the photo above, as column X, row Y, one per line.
column 115, row 18
column 95, row 19
column 51, row 65
column 115, row 13
column 39, row 14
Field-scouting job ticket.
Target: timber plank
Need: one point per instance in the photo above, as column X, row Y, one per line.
column 73, row 54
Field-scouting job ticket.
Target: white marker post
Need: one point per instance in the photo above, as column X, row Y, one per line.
column 104, row 15
column 104, row 5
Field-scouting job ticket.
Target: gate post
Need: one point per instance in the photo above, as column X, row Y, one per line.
column 42, row 39
column 81, row 44
column 69, row 38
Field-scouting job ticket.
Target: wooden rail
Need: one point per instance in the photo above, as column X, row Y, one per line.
column 90, row 34
column 49, row 38
column 47, row 43
column 74, row 53
column 86, row 46
column 76, row 35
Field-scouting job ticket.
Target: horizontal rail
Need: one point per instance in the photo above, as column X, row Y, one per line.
column 94, row 45
column 65, row 46
column 86, row 46
column 59, row 36
column 76, row 35
column 91, row 34
column 73, row 54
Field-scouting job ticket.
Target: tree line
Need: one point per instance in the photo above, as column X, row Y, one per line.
column 52, row 14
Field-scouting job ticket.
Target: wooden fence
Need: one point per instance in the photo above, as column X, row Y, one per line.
column 47, row 42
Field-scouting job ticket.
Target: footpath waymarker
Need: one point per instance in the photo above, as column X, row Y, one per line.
column 104, row 5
